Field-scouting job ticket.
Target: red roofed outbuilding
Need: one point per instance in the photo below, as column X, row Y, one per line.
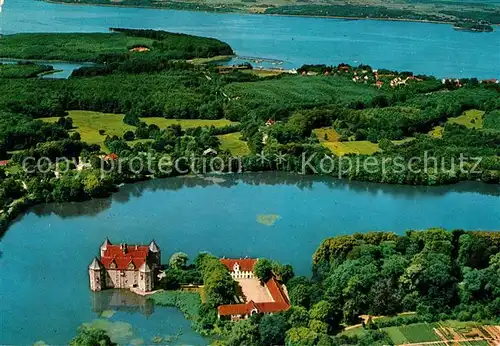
column 278, row 297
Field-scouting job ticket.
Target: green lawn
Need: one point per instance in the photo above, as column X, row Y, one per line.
column 414, row 333
column 187, row 123
column 88, row 124
column 472, row 119
column 234, row 144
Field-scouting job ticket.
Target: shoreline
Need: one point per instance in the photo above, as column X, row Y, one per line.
column 262, row 14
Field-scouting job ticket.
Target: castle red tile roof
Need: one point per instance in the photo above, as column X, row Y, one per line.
column 246, row 264
column 4, row 162
column 123, row 255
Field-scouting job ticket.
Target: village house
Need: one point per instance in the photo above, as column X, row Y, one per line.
column 269, row 298
column 270, row 122
column 125, row 266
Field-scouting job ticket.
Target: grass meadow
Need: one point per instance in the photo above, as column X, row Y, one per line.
column 88, row 124
column 472, row 119
column 234, row 144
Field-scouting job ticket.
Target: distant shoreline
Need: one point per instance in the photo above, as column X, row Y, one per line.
column 257, row 13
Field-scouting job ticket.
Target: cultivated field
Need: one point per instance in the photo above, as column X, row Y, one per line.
column 445, row 333
column 420, row 332
column 332, row 142
column 327, row 134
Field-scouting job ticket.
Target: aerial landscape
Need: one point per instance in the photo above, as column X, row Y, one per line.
column 254, row 172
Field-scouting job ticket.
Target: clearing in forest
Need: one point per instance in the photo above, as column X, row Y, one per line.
column 89, row 123
column 234, row 143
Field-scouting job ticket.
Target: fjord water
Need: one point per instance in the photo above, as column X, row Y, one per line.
column 435, row 49
column 45, row 254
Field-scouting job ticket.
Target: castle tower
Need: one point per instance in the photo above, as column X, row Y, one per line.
column 104, row 246
column 145, row 278
column 155, row 252
column 96, row 275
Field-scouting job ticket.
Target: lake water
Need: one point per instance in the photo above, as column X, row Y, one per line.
column 435, row 49
column 62, row 70
column 45, row 254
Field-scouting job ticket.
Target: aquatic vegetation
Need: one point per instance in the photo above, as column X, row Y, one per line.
column 107, row 314
column 268, row 219
column 188, row 302
column 119, row 332
column 40, row 343
column 157, row 340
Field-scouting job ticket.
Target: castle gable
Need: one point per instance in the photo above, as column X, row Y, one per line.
column 242, row 264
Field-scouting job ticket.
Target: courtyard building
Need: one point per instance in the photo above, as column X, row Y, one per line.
column 255, row 297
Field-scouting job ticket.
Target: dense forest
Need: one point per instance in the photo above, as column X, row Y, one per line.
column 440, row 275
column 403, row 115
column 109, row 47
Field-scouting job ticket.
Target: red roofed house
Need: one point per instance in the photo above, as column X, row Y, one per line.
column 276, row 296
column 111, row 157
column 125, row 266
column 4, row 162
column 270, row 122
